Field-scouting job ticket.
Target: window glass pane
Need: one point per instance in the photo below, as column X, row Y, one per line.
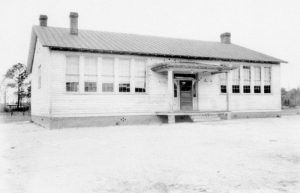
column 124, row 87
column 107, row 87
column 140, row 85
column 72, row 86
column 90, row 86
column 257, row 89
column 140, row 75
column 267, row 77
column 124, row 67
column 236, row 80
column 72, row 74
column 247, row 75
column 223, row 89
column 267, row 89
column 140, row 68
column 72, row 65
column 108, row 66
column 257, row 75
column 90, row 78
column 124, row 75
column 236, row 76
column 223, row 82
column 247, row 88
column 124, row 79
column 72, row 78
column 108, row 79
column 107, row 75
column 235, row 88
column 90, row 66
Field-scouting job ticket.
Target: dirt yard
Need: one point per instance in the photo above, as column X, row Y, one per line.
column 236, row 156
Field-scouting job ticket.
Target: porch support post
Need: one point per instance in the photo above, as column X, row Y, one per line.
column 228, row 95
column 171, row 118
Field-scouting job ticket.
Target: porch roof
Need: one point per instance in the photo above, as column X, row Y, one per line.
column 191, row 67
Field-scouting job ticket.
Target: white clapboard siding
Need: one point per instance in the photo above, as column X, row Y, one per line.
column 210, row 97
column 40, row 97
column 92, row 104
column 54, row 100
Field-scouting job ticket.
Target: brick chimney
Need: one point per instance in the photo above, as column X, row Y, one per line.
column 43, row 20
column 225, row 38
column 74, row 23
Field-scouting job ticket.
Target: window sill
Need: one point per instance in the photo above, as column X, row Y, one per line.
column 260, row 94
column 104, row 93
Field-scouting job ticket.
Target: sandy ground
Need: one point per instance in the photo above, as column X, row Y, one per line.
column 236, row 156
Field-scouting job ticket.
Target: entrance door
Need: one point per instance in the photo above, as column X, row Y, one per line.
column 186, row 95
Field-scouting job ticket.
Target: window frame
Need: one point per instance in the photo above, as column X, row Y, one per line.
column 236, row 87
column 223, row 83
column 267, row 89
column 123, row 86
column 136, row 76
column 247, row 79
column 112, row 76
column 72, row 74
column 256, row 85
column 86, row 75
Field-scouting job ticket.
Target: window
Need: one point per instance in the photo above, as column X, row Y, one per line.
column 247, row 79
column 223, row 82
column 108, row 75
column 124, row 75
column 267, row 78
column 140, row 76
column 257, row 79
column 236, row 81
column 39, row 77
column 90, row 74
column 72, row 74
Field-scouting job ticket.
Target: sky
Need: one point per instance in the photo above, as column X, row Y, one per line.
column 268, row 26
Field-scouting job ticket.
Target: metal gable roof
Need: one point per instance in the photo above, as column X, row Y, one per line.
column 98, row 41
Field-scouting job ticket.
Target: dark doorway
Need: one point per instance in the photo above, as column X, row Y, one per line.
column 186, row 95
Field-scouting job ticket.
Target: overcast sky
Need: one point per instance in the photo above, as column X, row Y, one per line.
column 269, row 26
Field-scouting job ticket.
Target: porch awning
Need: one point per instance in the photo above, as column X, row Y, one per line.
column 191, row 67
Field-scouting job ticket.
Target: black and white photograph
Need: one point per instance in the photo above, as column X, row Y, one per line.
column 150, row 96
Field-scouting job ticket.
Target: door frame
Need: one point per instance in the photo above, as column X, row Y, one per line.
column 192, row 92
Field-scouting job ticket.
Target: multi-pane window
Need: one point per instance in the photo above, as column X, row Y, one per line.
column 247, row 79
column 72, row 74
column 39, row 77
column 223, row 82
column 108, row 75
column 257, row 79
column 124, row 75
column 90, row 74
column 236, row 80
column 267, row 80
column 140, row 76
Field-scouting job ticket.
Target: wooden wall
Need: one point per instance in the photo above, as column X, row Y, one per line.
column 40, row 97
column 53, row 100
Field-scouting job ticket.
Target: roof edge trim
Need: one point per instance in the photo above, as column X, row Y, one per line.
column 57, row 48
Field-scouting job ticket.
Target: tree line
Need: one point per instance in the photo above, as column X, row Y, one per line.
column 290, row 98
